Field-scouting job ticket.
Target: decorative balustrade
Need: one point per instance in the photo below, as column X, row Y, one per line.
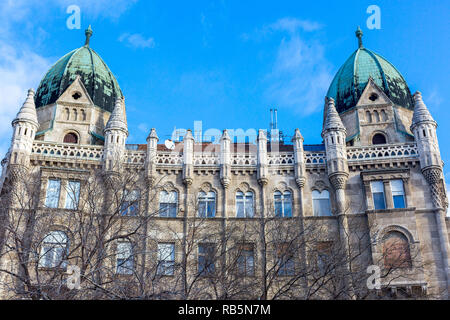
column 244, row 159
column 315, row 158
column 281, row 158
column 206, row 159
column 382, row 151
column 135, row 157
column 87, row 152
column 169, row 158
column 69, row 151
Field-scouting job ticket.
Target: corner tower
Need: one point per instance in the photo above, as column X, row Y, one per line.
column 372, row 99
column 76, row 97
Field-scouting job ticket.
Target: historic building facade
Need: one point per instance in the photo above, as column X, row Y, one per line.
column 379, row 164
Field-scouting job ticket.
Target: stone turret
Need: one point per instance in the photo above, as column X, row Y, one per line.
column 188, row 158
column 424, row 130
column 263, row 170
column 334, row 134
column 116, row 133
column 152, row 145
column 225, row 159
column 25, row 126
column 299, row 158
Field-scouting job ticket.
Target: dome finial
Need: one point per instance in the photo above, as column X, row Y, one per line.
column 359, row 35
column 88, row 34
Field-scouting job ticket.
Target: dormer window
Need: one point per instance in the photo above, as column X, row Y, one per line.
column 71, row 138
column 373, row 96
column 76, row 95
column 379, row 139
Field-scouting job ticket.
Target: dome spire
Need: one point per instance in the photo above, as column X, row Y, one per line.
column 88, row 32
column 359, row 35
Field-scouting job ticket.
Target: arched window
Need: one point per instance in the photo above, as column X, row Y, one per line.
column 206, row 204
column 168, row 204
column 130, row 202
column 283, row 204
column 368, row 116
column 244, row 204
column 71, row 138
column 376, row 116
column 321, row 203
column 396, row 251
column 54, row 250
column 379, row 139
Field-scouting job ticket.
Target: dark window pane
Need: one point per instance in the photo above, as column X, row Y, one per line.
column 399, row 202
column 378, row 201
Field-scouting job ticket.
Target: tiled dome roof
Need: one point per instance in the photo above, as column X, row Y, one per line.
column 99, row 81
column 351, row 79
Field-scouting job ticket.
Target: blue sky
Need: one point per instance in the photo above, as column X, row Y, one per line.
column 225, row 62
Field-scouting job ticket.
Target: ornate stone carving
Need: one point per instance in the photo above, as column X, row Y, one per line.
column 339, row 180
column 433, row 177
column 300, row 182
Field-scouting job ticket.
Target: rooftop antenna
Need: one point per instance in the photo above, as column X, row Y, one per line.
column 271, row 119
column 276, row 120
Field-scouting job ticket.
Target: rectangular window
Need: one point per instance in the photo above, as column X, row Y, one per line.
column 206, row 263
column 244, row 205
column 398, row 194
column 285, row 260
column 168, row 204
column 246, row 260
column 379, row 202
column 72, row 195
column 53, row 190
column 166, row 258
column 324, row 261
column 130, row 204
column 207, row 205
column 124, row 256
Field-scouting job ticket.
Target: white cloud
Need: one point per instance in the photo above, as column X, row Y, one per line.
column 137, row 40
column 300, row 74
column 143, row 127
column 434, row 99
column 292, row 25
column 19, row 71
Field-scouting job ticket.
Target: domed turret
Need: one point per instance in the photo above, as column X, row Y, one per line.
column 351, row 79
column 98, row 80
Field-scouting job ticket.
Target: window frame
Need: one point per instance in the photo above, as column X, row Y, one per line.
column 381, row 182
column 398, row 193
column 207, row 268
column 204, row 201
column 286, row 267
column 283, row 201
column 130, row 259
column 130, row 208
column 68, row 195
column 165, row 266
column 48, row 247
column 243, row 257
column 247, row 206
column 56, row 198
column 170, row 207
column 315, row 199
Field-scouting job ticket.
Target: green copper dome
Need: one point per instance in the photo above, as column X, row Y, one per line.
column 351, row 79
column 99, row 81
